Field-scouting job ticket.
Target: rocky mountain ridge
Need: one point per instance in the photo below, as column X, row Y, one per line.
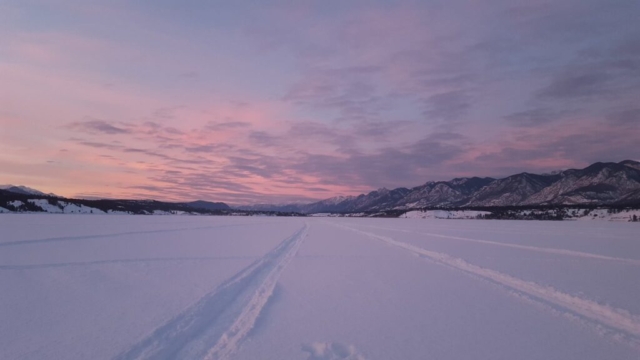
column 602, row 183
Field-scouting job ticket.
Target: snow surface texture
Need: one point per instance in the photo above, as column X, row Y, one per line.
column 176, row 287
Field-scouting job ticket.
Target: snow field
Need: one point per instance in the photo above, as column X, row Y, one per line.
column 174, row 287
column 616, row 318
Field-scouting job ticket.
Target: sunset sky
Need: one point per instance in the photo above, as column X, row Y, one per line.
column 277, row 101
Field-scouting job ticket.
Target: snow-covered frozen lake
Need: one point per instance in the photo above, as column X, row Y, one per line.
column 190, row 287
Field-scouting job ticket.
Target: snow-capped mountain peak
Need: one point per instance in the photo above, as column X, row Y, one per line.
column 25, row 190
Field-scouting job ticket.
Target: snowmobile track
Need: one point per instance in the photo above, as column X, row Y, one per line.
column 107, row 236
column 554, row 251
column 214, row 327
column 614, row 318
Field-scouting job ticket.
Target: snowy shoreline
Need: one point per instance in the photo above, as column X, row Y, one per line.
column 38, row 206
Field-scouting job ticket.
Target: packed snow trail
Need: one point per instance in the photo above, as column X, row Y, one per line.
column 214, row 327
column 573, row 253
column 618, row 319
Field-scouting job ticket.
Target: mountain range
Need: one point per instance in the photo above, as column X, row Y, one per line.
column 602, row 183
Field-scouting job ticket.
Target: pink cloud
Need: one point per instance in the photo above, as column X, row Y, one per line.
column 312, row 104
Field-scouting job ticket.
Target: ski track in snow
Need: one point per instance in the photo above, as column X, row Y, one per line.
column 215, row 326
column 555, row 251
column 121, row 261
column 104, row 236
column 614, row 318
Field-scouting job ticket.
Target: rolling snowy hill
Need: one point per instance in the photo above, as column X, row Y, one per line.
column 34, row 201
